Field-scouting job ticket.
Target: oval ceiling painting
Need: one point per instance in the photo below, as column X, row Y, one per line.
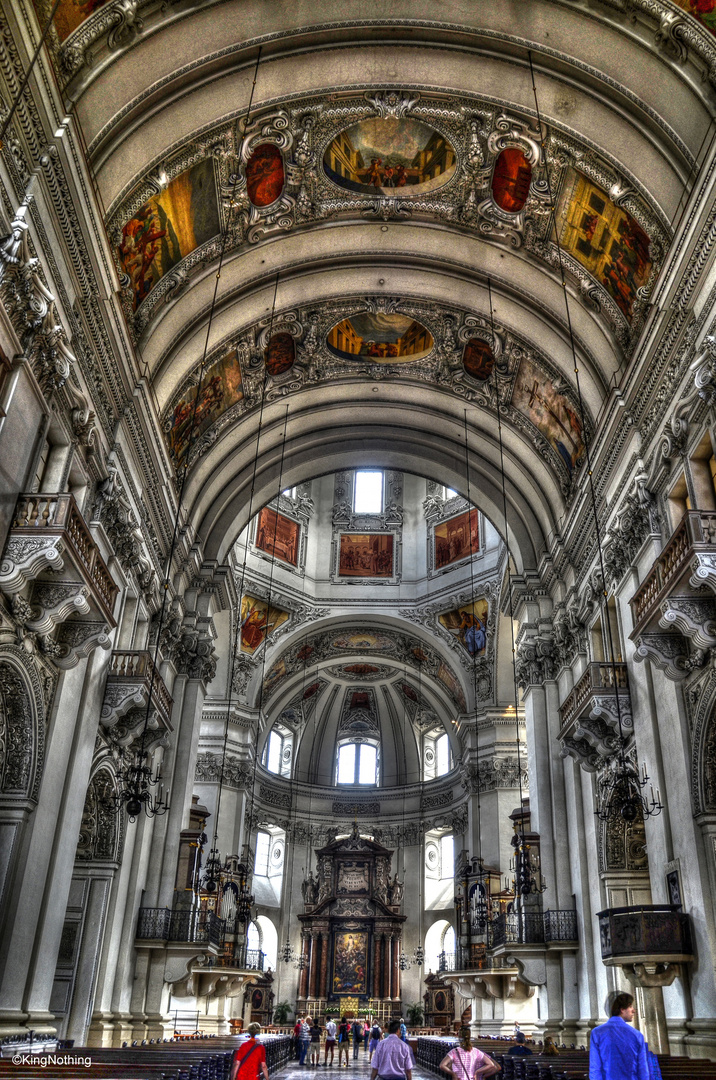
column 401, row 156
column 385, row 339
column 478, row 359
column 280, row 354
column 264, row 175
column 511, row 180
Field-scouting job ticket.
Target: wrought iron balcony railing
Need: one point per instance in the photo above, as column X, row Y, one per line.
column 183, row 925
column 532, row 928
column 648, row 931
column 446, row 961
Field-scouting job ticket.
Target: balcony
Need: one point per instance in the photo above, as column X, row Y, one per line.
column 548, row 928
column 58, row 583
column 131, row 674
column 649, row 934
column 589, row 718
column 181, row 925
column 674, row 609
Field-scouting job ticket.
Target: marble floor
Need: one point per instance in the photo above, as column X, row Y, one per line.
column 356, row 1070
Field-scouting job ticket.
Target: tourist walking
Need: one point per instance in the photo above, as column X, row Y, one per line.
column 465, row 1062
column 366, row 1034
column 315, row 1044
column 357, row 1033
column 617, row 1051
column 330, row 1041
column 392, row 1059
column 249, row 1061
column 375, row 1036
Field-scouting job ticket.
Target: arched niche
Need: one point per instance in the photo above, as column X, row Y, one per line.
column 100, row 832
column 22, row 727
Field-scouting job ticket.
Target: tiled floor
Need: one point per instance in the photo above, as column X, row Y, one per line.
column 357, row 1070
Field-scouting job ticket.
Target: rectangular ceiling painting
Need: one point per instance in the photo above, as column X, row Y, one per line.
column 278, row 535
column 605, row 239
column 220, row 389
column 551, row 413
column 365, row 555
column 168, row 227
column 456, row 539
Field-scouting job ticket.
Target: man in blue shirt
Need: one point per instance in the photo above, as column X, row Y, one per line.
column 616, row 1050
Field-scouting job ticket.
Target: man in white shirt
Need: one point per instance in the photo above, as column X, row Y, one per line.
column 330, row 1041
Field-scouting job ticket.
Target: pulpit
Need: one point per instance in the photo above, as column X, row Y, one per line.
column 352, row 930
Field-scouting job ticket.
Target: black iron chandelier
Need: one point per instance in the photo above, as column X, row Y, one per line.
column 134, row 783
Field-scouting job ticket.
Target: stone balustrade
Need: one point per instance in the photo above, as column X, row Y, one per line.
column 595, row 713
column 131, row 677
column 674, row 609
column 60, row 589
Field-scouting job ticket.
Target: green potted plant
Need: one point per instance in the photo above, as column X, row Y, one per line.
column 414, row 1014
column 282, row 1012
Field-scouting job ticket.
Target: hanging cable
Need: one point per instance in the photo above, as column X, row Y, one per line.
column 137, row 778
column 525, row 882
column 481, row 913
column 629, row 782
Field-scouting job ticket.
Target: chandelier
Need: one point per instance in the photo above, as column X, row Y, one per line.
column 134, row 781
column 626, row 795
column 288, row 956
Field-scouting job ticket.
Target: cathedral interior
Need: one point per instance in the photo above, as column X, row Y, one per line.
column 357, row 517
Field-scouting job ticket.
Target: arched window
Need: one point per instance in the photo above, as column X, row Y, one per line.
column 253, row 938
column 278, row 750
column 442, row 755
column 357, row 763
column 448, row 942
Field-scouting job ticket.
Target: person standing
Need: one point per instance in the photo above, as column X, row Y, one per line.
column 296, row 1040
column 403, row 1028
column 392, row 1059
column 375, row 1034
column 357, row 1033
column 330, row 1041
column 304, row 1039
column 249, row 1062
column 618, row 1051
column 343, row 1040
column 366, row 1034
column 465, row 1062
column 315, row 1043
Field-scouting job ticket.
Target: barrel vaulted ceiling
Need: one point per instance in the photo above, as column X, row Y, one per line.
column 625, row 94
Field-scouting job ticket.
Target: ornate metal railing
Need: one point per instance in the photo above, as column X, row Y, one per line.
column 59, row 514
column 163, row 924
column 532, row 928
column 597, row 679
column 695, row 532
column 648, row 930
column 446, row 961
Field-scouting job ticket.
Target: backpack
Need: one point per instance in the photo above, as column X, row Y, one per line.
column 375, row 1032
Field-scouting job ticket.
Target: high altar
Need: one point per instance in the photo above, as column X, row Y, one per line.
column 352, row 930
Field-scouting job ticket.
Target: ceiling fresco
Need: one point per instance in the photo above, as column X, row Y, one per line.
column 302, row 656
column 494, row 172
column 533, row 396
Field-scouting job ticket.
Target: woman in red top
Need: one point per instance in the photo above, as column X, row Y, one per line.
column 250, row 1058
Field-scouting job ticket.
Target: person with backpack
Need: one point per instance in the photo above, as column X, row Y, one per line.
column 249, row 1062
column 343, row 1040
column 375, row 1035
column 357, row 1033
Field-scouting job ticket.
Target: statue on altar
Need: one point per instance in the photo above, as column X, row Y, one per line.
column 395, row 892
column 309, row 889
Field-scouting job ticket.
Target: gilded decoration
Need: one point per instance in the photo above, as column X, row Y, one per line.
column 533, row 395
column 382, row 155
